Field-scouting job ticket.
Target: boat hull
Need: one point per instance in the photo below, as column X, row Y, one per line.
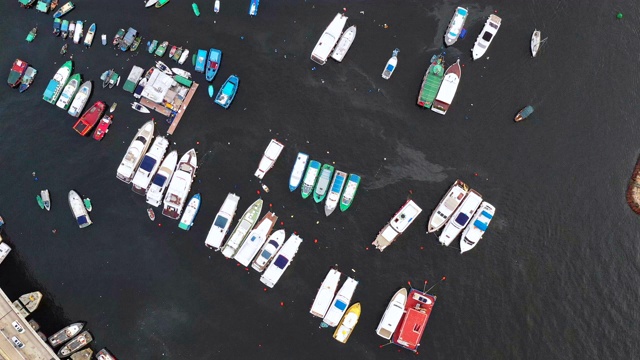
column 298, row 171
column 222, row 222
column 350, row 191
column 310, row 178
column 447, row 206
column 322, row 186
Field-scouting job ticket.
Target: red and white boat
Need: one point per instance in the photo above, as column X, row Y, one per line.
column 447, row 89
column 103, row 127
column 397, row 225
column 416, row 314
column 90, row 118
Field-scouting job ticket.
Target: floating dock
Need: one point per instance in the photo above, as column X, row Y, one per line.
column 183, row 108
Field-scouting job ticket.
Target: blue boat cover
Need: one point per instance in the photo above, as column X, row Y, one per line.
column 487, row 215
column 338, row 184
column 228, row 89
column 220, row 221
column 462, row 219
column 265, row 254
column 147, row 163
column 51, row 88
column 480, row 225
column 390, row 67
column 82, row 220
column 340, row 305
column 462, row 11
column 273, row 243
column 159, row 180
column 281, row 262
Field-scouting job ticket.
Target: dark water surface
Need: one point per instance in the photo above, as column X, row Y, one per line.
column 555, row 277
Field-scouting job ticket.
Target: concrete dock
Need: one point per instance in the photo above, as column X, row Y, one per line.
column 183, row 108
column 34, row 347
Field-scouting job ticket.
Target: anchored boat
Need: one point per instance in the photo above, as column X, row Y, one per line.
column 69, row 92
column 268, row 250
column 325, row 294
column 447, row 206
column 431, row 82
column 281, row 262
column 88, row 40
column 213, row 63
column 398, row 224
column 455, row 26
column 349, row 192
column 228, row 91
column 184, row 56
column 64, row 9
column 322, row 186
column 477, row 227
column 80, row 100
column 180, row 185
column 103, row 127
column 134, row 153
column 77, row 33
column 344, row 44
column 132, row 80
column 256, row 238
column 118, row 37
column 335, row 190
column 222, row 222
column 241, row 230
column 82, row 355
column 161, row 179
column 486, row 36
column 298, row 170
column 78, row 209
column 190, row 213
column 46, row 199
column 536, row 42
column 391, row 65
column 339, row 304
column 104, row 354
column 253, row 8
column 524, row 113
column 162, row 48
column 460, row 218
column 27, row 79
column 139, row 107
column 310, row 178
column 149, row 165
column 65, row 334
column 417, row 311
column 348, row 323
column 447, row 89
column 18, row 69
column 55, row 86
column 90, row 118
column 75, row 344
column 271, row 154
column 328, row 39
column 392, row 315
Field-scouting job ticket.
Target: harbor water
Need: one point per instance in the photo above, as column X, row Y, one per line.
column 555, row 277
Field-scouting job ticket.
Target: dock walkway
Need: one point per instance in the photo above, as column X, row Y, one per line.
column 183, row 108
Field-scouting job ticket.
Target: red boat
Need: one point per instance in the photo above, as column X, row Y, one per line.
column 416, row 314
column 17, row 71
column 103, row 127
column 89, row 119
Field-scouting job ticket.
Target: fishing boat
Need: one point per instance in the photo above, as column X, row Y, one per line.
column 228, row 91
column 328, row 39
column 133, row 156
column 253, row 7
column 161, row 3
column 88, row 40
column 57, row 25
column 190, row 212
column 54, row 4
column 392, row 315
column 460, row 218
column 103, row 37
column 281, row 261
column 268, row 250
column 64, row 29
column 477, row 227
column 239, row 233
column 78, row 209
column 447, row 89
column 216, row 6
column 213, row 63
column 163, row 67
column 152, row 46
column 118, row 37
column 339, row 304
column 486, row 36
column 196, row 9
column 349, row 192
column 335, row 190
column 80, row 100
column 222, row 222
column 524, row 113
column 31, row 301
column 46, row 199
column 26, row 4
column 82, row 355
column 103, row 127
column 535, row 42
column 64, row 9
column 75, row 344
column 150, row 3
column 180, row 185
column 132, row 80
column 55, row 86
column 106, row 77
column 310, row 178
column 344, row 44
column 416, row 315
column 77, row 34
column 185, row 74
column 200, row 62
column 64, row 101
column 128, row 39
column 32, row 34
column 271, row 154
column 65, row 334
column 455, row 26
column 161, row 179
column 325, row 294
column 431, row 82
column 391, row 65
column 27, row 79
column 90, row 118
column 255, row 239
column 16, row 73
column 172, row 51
column 348, row 323
column 298, row 170
column 136, row 42
column 104, row 354
column 397, row 225
column 149, row 165
column 139, row 107
column 162, row 48
column 184, row 56
column 447, row 206
column 322, row 185
column 63, row 49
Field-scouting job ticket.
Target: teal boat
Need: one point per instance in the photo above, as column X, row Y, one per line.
column 87, row 204
column 431, row 82
column 59, row 81
column 40, row 202
column 152, row 46
column 32, row 34
column 211, row 90
column 524, row 113
column 162, row 49
column 196, row 10
column 161, row 3
column 322, row 186
column 310, row 178
column 349, row 192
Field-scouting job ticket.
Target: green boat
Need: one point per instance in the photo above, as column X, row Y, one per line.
column 161, row 3
column 310, row 178
column 162, row 49
column 322, row 186
column 431, row 82
column 196, row 10
column 349, row 192
column 87, row 204
column 32, row 34
column 136, row 43
column 40, row 202
column 59, row 81
column 246, row 223
column 153, row 46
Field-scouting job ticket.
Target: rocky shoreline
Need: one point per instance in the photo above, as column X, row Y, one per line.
column 633, row 190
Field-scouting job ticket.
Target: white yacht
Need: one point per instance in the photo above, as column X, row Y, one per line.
column 239, row 233
column 134, row 153
column 255, row 239
column 344, row 43
column 460, row 217
column 390, row 67
column 397, row 225
column 269, row 158
column 298, row 171
column 180, row 185
column 78, row 103
column 486, row 36
column 335, row 190
column 79, row 210
column 161, row 179
column 328, row 39
column 448, row 89
column 393, row 314
column 149, row 165
column 325, row 294
column 447, row 206
column 281, row 262
column 455, row 26
column 222, row 222
column 68, row 93
column 477, row 227
column 340, row 303
column 268, row 251
column 77, row 33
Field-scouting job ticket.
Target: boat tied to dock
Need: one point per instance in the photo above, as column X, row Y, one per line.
column 65, row 334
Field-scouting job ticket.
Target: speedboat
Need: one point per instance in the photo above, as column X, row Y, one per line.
column 184, row 56
column 46, row 199
column 335, row 190
column 310, row 178
column 180, row 185
column 103, row 127
column 75, row 344
column 185, row 74
column 348, row 323
column 281, row 261
column 139, row 107
column 455, row 26
column 268, row 250
column 18, row 69
column 477, row 227
column 328, row 39
column 190, row 212
column 103, row 38
column 88, row 40
column 524, row 113
column 393, row 314
column 161, row 179
column 325, row 294
column 135, row 152
column 256, row 238
column 239, row 233
column 271, row 154
column 391, row 65
column 535, row 42
column 164, row 68
column 69, row 92
column 486, row 36
column 90, row 118
column 150, row 3
column 213, row 63
column 253, row 8
column 447, row 89
column 460, row 218
column 228, row 91
column 149, row 165
column 222, row 222
column 349, row 192
column 65, row 334
column 78, row 210
column 447, row 206
column 64, row 9
column 298, row 170
column 81, row 99
column 320, row 191
column 397, row 225
column 339, row 304
column 216, row 6
column 27, row 79
column 344, row 44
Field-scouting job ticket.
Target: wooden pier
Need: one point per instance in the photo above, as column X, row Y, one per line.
column 183, row 108
column 155, row 106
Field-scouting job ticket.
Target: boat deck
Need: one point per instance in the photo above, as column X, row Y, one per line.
column 417, row 311
column 183, row 108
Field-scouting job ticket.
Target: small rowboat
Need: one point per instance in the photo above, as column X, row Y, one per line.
column 211, row 90
column 524, row 113
column 535, row 42
column 87, row 204
column 152, row 215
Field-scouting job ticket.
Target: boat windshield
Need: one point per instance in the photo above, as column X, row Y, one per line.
column 487, row 36
column 220, row 222
column 273, row 243
column 159, row 180
column 266, row 254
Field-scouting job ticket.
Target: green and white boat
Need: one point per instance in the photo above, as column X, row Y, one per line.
column 349, row 192
column 310, row 178
column 162, row 48
column 69, row 92
column 59, row 81
column 431, row 82
column 322, row 186
column 239, row 234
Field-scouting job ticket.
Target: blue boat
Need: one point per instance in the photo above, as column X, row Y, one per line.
column 253, row 8
column 190, row 213
column 211, row 90
column 57, row 25
column 215, row 56
column 200, row 60
column 227, row 91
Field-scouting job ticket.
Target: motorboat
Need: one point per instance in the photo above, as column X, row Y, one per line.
column 322, row 186
column 55, row 86
column 103, row 127
column 344, row 44
column 75, row 344
column 227, row 92
column 46, row 199
column 213, row 63
column 271, row 154
column 486, row 36
column 79, row 211
column 535, row 42
column 477, row 227
column 69, row 91
column 180, row 185
column 239, row 233
column 340, row 303
column 390, row 67
column 268, row 250
column 328, row 39
column 310, row 178
column 416, row 315
column 524, row 113
column 88, row 40
column 80, row 100
column 149, row 165
column 190, row 212
column 461, row 217
column 335, row 190
column 222, row 222
column 139, row 107
column 392, row 315
column 90, row 118
column 447, row 206
column 325, row 294
column 18, row 69
column 27, row 79
column 397, row 225
column 135, row 152
column 161, row 179
column 77, row 34
column 349, row 192
column 455, row 26
column 298, row 171
column 447, row 89
column 281, row 261
column 65, row 334
column 255, row 239
column 348, row 323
